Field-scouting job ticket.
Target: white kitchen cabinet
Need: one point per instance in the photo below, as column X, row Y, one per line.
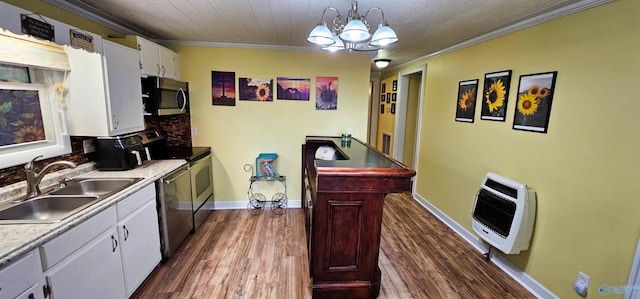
column 139, row 237
column 107, row 256
column 22, row 278
column 104, row 92
column 156, row 60
column 93, row 271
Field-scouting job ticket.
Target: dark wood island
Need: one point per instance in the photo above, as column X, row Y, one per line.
column 343, row 201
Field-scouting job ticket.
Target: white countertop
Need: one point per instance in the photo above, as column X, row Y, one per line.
column 18, row 239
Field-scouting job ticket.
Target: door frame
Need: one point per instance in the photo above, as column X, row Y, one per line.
column 401, row 117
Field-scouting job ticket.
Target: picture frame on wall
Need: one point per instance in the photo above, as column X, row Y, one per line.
column 388, row 97
column 495, row 95
column 381, row 108
column 393, row 108
column 466, row 101
column 382, row 98
column 384, row 87
column 393, row 97
column 394, row 86
column 533, row 106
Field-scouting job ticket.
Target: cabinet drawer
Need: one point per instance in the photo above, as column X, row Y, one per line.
column 18, row 276
column 135, row 200
column 57, row 249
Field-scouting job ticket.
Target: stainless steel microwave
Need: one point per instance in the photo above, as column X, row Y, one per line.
column 164, row 96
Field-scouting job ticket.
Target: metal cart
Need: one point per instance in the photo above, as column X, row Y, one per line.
column 258, row 201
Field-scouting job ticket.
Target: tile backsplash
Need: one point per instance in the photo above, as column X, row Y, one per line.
column 16, row 173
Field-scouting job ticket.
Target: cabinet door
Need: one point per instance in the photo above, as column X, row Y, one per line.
column 94, row 271
column 140, row 245
column 149, row 60
column 124, row 89
column 167, row 62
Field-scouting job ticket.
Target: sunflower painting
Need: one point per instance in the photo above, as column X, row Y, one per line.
column 255, row 89
column 20, row 117
column 495, row 95
column 533, row 108
column 466, row 101
column 326, row 93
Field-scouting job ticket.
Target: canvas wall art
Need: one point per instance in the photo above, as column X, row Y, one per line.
column 293, row 88
column 495, row 95
column 466, row 101
column 326, row 93
column 535, row 95
column 255, row 89
column 223, row 88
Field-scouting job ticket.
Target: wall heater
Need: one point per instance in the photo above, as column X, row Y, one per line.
column 503, row 213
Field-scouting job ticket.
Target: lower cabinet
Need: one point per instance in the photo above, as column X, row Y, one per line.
column 21, row 278
column 107, row 256
column 139, row 245
column 93, row 271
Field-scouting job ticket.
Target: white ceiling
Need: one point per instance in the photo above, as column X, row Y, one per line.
column 423, row 26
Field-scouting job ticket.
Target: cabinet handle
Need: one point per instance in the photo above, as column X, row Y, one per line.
column 158, row 66
column 114, row 244
column 126, row 232
column 163, row 71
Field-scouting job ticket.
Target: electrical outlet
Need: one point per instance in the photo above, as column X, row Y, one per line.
column 88, row 146
column 255, row 186
column 194, row 131
column 581, row 286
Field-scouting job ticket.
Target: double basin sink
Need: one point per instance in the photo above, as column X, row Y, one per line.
column 63, row 202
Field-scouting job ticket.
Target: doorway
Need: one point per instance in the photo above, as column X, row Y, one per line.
column 406, row 144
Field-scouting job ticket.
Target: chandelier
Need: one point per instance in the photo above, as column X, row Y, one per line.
column 352, row 32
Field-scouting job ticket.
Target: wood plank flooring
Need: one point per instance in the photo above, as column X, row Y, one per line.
column 237, row 255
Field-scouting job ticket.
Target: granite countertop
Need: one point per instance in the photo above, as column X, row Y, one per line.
column 18, row 239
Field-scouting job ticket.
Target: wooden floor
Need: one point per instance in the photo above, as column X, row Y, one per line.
column 237, row 255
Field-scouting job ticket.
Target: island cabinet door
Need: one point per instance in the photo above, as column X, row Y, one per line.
column 347, row 236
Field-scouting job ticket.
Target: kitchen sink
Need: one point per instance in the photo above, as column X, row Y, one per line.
column 63, row 202
column 94, row 187
column 45, row 209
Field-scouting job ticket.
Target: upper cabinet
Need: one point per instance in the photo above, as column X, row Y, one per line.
column 104, row 91
column 156, row 60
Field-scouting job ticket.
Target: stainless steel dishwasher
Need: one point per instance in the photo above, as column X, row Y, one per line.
column 175, row 209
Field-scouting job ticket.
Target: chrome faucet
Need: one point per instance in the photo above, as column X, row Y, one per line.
column 34, row 178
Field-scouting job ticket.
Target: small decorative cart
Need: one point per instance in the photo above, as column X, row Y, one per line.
column 266, row 170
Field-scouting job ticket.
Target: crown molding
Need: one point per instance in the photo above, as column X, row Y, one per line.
column 534, row 21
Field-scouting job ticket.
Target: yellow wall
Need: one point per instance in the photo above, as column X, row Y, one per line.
column 238, row 134
column 386, row 120
column 584, row 170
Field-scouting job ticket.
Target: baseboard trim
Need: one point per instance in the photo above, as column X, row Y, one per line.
column 242, row 204
column 516, row 273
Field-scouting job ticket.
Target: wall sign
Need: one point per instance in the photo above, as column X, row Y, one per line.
column 37, row 28
column 81, row 39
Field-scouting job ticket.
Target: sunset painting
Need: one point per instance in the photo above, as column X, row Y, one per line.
column 293, row 88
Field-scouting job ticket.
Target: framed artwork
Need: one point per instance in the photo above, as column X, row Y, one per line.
column 393, row 97
column 255, row 89
column 12, row 73
column 382, row 98
column 223, row 88
column 326, row 93
column 495, row 95
column 466, row 101
column 293, row 88
column 393, row 108
column 384, row 88
column 394, row 86
column 388, row 98
column 381, row 108
column 533, row 108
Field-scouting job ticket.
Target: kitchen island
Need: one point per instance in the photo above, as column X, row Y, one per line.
column 343, row 199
